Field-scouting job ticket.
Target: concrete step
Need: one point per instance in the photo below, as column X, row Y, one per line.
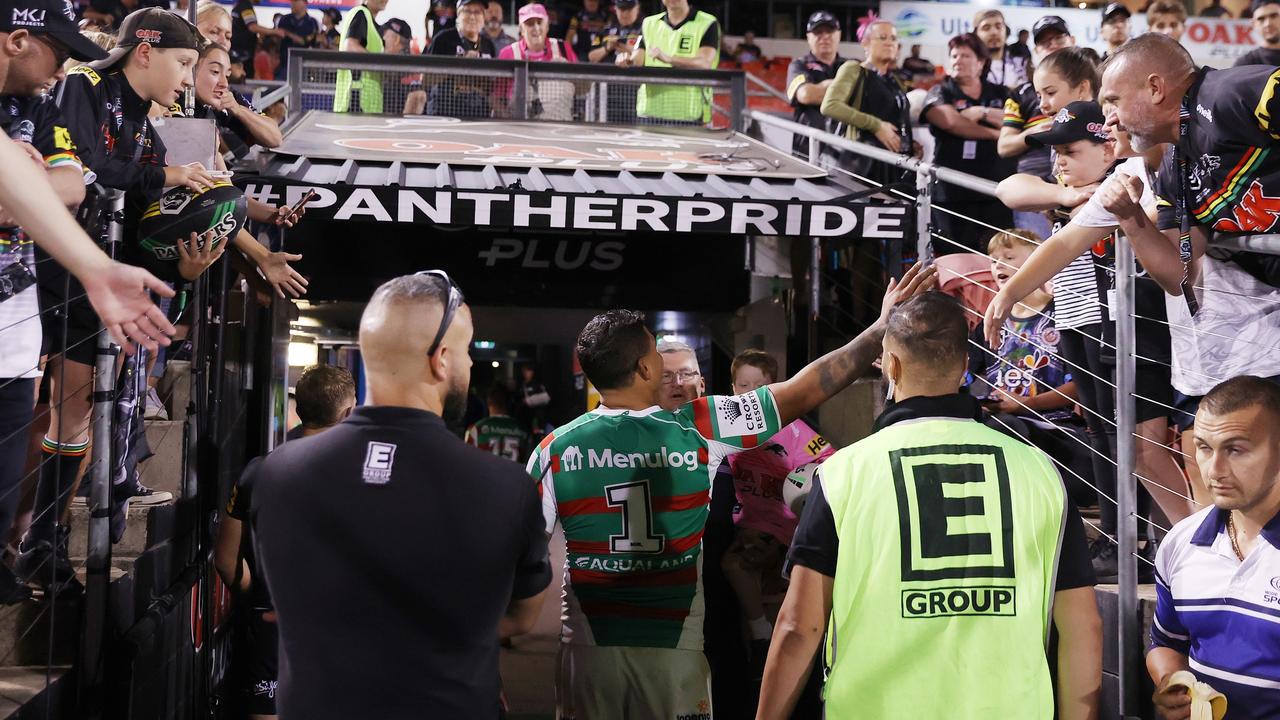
column 163, row 471
column 174, row 389
column 24, row 631
column 145, row 525
column 29, row 691
column 1109, row 607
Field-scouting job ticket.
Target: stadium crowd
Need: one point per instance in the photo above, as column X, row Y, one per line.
column 743, row 501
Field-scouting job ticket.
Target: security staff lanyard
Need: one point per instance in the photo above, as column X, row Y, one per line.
column 1183, row 207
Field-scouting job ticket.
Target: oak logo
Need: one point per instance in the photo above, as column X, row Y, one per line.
column 955, row 517
column 1256, row 212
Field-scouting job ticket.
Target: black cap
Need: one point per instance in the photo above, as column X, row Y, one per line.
column 1113, row 9
column 1047, row 24
column 55, row 18
column 820, row 18
column 1257, row 4
column 154, row 26
column 461, row 3
column 626, row 3
column 1080, row 120
column 400, row 28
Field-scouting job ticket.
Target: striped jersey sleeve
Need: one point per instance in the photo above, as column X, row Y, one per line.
column 739, row 422
column 1166, row 628
column 1013, row 114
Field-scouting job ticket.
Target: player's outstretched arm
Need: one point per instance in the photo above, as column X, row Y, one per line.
column 117, row 292
column 835, row 371
column 801, row 621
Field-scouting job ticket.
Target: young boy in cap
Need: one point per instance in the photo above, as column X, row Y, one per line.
column 38, row 37
column 105, row 105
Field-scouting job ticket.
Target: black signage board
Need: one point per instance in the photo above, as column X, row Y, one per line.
column 692, row 272
column 514, row 208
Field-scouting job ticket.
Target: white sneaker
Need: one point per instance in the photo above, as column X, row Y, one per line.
column 155, row 409
column 146, row 496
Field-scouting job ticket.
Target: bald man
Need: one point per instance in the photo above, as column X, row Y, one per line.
column 396, row 554
column 1222, row 124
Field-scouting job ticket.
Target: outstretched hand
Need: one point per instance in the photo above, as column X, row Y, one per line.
column 277, row 270
column 119, row 294
column 917, row 280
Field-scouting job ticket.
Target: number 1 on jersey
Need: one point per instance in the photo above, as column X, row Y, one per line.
column 637, row 519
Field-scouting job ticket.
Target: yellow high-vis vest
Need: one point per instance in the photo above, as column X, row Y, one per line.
column 370, row 85
column 949, row 536
column 682, row 103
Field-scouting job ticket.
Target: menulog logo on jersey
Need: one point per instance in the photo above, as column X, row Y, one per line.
column 571, row 459
column 739, row 415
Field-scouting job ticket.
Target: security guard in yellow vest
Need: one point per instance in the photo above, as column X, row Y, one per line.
column 361, row 34
column 935, row 553
column 678, row 38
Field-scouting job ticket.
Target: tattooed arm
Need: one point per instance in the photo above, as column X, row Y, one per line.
column 833, row 372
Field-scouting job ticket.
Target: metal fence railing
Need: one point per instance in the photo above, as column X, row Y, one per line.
column 475, row 89
column 1129, row 640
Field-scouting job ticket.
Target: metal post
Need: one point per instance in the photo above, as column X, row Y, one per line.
column 924, row 212
column 98, row 563
column 1129, row 624
column 520, row 93
column 737, row 101
column 296, row 66
column 815, row 149
column 815, row 294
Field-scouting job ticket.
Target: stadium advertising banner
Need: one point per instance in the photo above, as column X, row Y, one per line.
column 590, row 212
column 1211, row 41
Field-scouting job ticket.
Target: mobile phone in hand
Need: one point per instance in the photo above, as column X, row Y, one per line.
column 305, row 199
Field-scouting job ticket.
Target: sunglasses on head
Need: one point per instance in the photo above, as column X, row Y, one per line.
column 450, row 308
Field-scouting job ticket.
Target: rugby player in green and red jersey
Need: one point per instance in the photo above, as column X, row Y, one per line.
column 630, row 484
column 500, row 433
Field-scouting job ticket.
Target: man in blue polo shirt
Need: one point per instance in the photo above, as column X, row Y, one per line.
column 1218, row 571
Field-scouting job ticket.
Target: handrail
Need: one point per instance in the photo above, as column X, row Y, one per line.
column 1268, row 244
column 955, row 177
column 271, row 98
column 771, row 90
column 519, row 73
column 355, row 61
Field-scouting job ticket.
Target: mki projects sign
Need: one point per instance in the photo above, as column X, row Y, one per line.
column 591, row 212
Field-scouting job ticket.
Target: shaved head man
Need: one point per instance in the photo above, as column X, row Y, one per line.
column 1142, row 87
column 377, row 505
column 415, row 340
column 1221, row 123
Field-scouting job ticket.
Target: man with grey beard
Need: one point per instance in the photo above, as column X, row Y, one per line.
column 1220, row 175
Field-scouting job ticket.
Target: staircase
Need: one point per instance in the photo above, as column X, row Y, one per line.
column 39, row 642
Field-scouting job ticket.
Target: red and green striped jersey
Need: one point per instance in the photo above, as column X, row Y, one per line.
column 501, row 435
column 632, row 488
